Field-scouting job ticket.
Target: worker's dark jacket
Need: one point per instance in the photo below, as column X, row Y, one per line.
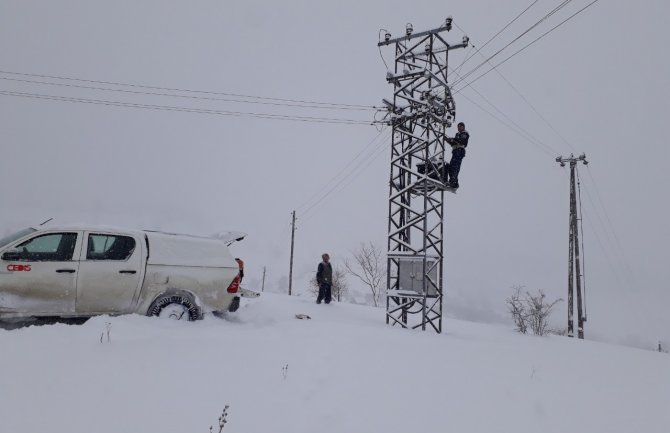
column 460, row 140
column 324, row 273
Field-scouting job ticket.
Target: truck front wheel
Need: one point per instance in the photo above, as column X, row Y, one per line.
column 176, row 307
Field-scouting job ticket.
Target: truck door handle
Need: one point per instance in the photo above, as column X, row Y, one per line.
column 65, row 271
column 127, row 272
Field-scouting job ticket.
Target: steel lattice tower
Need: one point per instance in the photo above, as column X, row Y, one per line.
column 420, row 113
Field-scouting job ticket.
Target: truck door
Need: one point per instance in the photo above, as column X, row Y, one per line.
column 40, row 278
column 110, row 271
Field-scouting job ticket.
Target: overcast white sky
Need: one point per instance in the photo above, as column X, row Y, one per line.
column 601, row 80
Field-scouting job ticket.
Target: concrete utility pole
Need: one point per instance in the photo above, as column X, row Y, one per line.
column 420, row 113
column 574, row 268
column 290, row 269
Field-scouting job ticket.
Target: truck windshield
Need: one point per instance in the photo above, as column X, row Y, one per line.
column 14, row 236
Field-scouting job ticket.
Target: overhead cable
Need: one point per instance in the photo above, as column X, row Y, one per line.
column 518, row 92
column 535, row 40
column 185, row 109
column 517, row 128
column 547, row 16
column 173, row 89
column 352, row 174
column 206, row 98
column 544, row 147
column 467, row 58
column 343, row 171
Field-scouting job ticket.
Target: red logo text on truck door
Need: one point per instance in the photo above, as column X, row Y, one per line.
column 18, row 268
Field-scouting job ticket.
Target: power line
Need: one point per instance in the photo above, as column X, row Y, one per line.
column 380, row 48
column 343, row 170
column 499, row 31
column 460, row 67
column 519, row 129
column 535, row 40
column 173, row 89
column 207, row 98
column 581, row 229
column 494, row 67
column 509, row 83
column 608, row 228
column 183, row 109
column 625, row 287
column 605, row 253
column 547, row 16
column 186, row 109
column 353, row 174
column 608, row 246
column 379, row 151
column 518, row 92
column 542, row 146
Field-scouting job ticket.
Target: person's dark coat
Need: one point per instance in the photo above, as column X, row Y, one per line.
column 324, row 273
column 324, row 278
column 460, row 139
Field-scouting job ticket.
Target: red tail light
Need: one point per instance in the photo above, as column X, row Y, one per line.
column 235, row 285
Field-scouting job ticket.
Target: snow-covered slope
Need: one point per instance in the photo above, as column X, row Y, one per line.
column 342, row 371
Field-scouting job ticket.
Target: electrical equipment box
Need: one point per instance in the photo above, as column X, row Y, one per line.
column 411, row 276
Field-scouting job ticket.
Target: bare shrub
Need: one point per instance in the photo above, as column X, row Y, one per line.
column 530, row 311
column 516, row 308
column 369, row 266
column 223, row 419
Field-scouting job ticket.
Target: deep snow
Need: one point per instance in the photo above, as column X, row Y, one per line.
column 342, row 371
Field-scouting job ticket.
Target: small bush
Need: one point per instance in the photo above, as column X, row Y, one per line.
column 530, row 311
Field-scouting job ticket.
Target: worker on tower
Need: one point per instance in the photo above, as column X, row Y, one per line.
column 458, row 144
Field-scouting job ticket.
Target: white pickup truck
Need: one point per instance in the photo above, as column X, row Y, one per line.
column 77, row 271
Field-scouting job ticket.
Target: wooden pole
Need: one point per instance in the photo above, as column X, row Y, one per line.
column 290, row 270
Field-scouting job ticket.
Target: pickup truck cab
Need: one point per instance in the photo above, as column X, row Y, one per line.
column 78, row 271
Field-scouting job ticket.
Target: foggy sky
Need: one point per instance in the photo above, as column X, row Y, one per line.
column 600, row 80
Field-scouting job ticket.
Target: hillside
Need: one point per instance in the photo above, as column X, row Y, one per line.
column 342, row 371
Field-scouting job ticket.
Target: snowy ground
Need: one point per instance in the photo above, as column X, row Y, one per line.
column 346, row 372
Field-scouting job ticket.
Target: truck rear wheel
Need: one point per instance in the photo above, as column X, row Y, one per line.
column 176, row 307
column 235, row 305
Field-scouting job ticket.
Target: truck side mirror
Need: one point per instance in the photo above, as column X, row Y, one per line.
column 11, row 255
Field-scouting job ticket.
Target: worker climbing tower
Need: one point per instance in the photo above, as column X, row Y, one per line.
column 420, row 113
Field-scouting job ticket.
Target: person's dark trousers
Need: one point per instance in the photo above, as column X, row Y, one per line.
column 445, row 173
column 324, row 293
column 457, row 156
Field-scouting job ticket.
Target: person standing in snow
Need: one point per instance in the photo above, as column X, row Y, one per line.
column 324, row 278
column 458, row 145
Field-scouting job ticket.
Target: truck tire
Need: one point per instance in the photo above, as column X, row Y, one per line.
column 234, row 305
column 176, row 307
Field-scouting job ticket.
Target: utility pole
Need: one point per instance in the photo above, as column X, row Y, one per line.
column 574, row 268
column 263, row 284
column 421, row 111
column 290, row 270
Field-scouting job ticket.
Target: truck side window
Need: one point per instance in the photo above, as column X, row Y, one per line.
column 53, row 247
column 109, row 247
